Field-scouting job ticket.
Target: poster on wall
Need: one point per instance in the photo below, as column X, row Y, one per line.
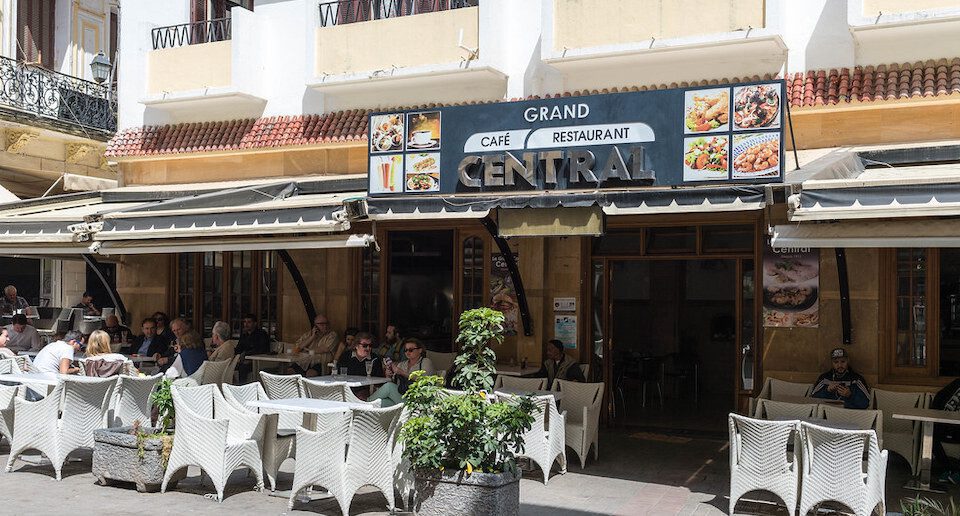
column 791, row 288
column 565, row 330
column 503, row 295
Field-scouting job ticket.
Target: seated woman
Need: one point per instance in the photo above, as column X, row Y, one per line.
column 391, row 393
column 100, row 361
column 191, row 353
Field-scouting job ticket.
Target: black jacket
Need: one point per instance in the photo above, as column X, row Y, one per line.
column 256, row 342
column 358, row 367
column 160, row 345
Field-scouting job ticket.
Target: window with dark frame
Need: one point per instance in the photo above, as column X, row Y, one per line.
column 370, row 290
column 36, row 22
column 472, row 291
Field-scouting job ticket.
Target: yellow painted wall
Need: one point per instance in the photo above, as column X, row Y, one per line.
column 590, row 23
column 144, row 284
column 328, row 274
column 340, row 160
column 189, row 67
column 873, row 7
column 402, row 42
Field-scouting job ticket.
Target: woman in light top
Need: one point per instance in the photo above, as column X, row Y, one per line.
column 191, row 353
column 391, row 393
column 100, row 361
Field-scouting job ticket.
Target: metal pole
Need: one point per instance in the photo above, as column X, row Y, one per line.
column 511, row 262
column 301, row 285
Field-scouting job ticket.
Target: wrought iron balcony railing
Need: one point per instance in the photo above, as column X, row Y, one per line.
column 60, row 98
column 340, row 12
column 207, row 31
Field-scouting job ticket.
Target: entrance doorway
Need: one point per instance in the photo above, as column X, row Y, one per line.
column 674, row 331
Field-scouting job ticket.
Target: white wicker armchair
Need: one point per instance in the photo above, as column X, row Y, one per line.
column 900, row 436
column 230, row 369
column 7, row 394
column 131, row 400
column 759, row 459
column 581, row 402
column 859, row 419
column 515, row 382
column 214, row 436
column 322, row 461
column 333, row 391
column 278, row 444
column 544, row 443
column 280, row 386
column 442, row 362
column 54, row 431
column 774, row 389
column 833, row 469
column 781, row 410
column 209, row 372
column 9, row 366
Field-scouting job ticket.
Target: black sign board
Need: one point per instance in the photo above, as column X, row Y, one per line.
column 692, row 136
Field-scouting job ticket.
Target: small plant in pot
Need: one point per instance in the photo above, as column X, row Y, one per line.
column 137, row 453
column 461, row 446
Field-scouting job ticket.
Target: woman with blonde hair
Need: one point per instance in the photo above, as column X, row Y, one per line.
column 100, row 361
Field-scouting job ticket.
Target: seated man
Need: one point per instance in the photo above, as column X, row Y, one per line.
column 356, row 362
column 11, row 302
column 322, row 341
column 559, row 365
column 223, row 346
column 86, row 303
column 947, row 398
column 22, row 336
column 116, row 331
column 391, row 343
column 149, row 343
column 253, row 341
column 842, row 383
column 57, row 357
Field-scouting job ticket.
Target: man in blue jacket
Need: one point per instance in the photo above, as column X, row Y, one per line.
column 842, row 383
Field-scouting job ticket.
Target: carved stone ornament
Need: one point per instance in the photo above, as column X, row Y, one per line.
column 18, row 140
column 77, row 151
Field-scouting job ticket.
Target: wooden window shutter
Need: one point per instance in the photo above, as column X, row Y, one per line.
column 36, row 26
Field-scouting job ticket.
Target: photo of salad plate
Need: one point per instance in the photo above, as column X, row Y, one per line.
column 705, row 158
column 423, row 172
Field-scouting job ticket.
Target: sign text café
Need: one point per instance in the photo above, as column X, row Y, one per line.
column 695, row 136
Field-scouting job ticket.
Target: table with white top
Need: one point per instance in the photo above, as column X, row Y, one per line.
column 557, row 395
column 31, row 354
column 301, row 359
column 49, row 379
column 351, row 380
column 928, row 417
column 511, row 370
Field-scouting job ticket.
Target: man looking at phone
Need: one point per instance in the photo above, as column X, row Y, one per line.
column 842, row 383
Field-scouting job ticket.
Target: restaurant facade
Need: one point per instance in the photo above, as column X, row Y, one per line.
column 686, row 236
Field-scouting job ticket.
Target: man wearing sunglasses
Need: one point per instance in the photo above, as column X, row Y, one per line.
column 356, row 362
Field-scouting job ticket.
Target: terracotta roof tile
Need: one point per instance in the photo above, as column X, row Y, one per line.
column 812, row 88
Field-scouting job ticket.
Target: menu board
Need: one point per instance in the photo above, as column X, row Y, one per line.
column 791, row 288
column 685, row 136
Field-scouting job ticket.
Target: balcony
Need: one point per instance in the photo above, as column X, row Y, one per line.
column 206, row 69
column 63, row 102
column 604, row 43
column 902, row 30
column 362, row 44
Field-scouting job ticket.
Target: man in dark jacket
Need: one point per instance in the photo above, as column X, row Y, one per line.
column 842, row 383
column 149, row 343
column 559, row 365
column 253, row 341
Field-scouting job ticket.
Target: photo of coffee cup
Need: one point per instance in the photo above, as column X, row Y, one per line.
column 422, row 137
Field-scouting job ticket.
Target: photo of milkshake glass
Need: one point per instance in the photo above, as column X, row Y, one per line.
column 386, row 173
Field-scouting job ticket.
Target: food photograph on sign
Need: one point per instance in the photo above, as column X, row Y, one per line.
column 756, row 155
column 791, row 288
column 706, row 110
column 705, row 158
column 423, row 130
column 386, row 133
column 423, row 172
column 386, row 174
column 756, row 107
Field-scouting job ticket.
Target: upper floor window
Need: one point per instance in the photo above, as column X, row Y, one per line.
column 35, row 29
column 340, row 12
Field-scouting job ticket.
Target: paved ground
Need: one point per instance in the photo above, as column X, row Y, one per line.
column 638, row 473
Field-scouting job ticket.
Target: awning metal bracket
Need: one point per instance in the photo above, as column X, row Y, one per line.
column 511, row 262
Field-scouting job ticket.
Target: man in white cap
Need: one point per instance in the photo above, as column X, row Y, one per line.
column 842, row 383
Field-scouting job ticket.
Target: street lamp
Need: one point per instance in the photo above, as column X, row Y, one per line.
column 100, row 66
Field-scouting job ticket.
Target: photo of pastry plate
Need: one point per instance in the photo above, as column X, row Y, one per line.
column 386, row 133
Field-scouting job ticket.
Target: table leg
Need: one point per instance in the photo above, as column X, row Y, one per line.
column 926, row 458
column 256, row 370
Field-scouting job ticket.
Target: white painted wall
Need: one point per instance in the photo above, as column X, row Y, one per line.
column 275, row 55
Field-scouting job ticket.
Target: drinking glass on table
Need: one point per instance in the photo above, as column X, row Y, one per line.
column 343, row 371
column 369, row 366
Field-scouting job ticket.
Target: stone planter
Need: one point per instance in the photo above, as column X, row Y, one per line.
column 116, row 458
column 474, row 494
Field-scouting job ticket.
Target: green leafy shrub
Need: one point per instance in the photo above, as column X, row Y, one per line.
column 920, row 506
column 162, row 399
column 449, row 431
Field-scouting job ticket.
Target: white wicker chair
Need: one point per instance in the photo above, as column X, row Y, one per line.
column 333, row 391
column 55, row 432
column 278, row 445
column 210, row 372
column 369, row 457
column 131, row 400
column 581, row 402
column 214, row 436
column 833, row 469
column 544, row 443
column 231, row 368
column 900, row 436
column 280, row 386
column 9, row 366
column 442, row 362
column 7, row 394
column 759, row 460
column 774, row 389
column 515, row 382
column 860, row 419
column 783, row 411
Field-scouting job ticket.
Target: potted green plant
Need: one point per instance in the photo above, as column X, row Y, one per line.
column 137, row 453
column 461, row 447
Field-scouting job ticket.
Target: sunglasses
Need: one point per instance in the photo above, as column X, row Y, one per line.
column 410, row 350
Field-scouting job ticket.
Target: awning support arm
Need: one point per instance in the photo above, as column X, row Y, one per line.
column 511, row 262
column 844, row 295
column 793, row 139
column 111, row 291
column 301, row 285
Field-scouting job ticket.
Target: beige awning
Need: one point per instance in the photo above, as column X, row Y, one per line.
column 873, row 234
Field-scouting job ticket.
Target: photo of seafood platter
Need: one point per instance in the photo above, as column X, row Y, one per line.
column 422, row 172
column 756, row 107
column 386, row 133
column 756, row 155
column 791, row 289
column 706, row 111
column 705, row 158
